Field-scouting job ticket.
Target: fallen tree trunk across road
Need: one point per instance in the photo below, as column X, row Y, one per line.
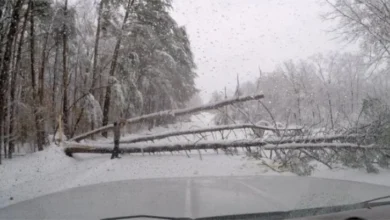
column 211, row 145
column 197, row 131
column 174, row 113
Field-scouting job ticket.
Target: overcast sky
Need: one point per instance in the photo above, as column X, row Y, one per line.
column 231, row 37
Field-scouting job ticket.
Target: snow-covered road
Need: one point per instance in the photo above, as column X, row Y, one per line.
column 51, row 170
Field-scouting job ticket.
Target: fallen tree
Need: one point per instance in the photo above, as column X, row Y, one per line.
column 320, row 139
column 211, row 145
column 174, row 113
column 198, row 131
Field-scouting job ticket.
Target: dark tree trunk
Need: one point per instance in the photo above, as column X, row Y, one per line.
column 330, row 111
column 37, row 114
column 96, row 54
column 54, row 88
column 2, row 32
column 117, row 135
column 41, row 87
column 6, row 61
column 96, row 47
column 11, row 144
column 65, row 110
column 107, row 99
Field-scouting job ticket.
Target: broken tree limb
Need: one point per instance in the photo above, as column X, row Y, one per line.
column 319, row 139
column 195, row 131
column 215, row 145
column 152, row 148
column 167, row 113
column 316, row 158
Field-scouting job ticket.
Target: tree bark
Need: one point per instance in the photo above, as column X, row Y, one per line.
column 6, row 62
column 117, row 136
column 41, row 87
column 1, row 141
column 54, row 88
column 65, row 111
column 11, row 144
column 330, row 111
column 2, row 32
column 96, row 55
column 107, row 99
column 224, row 145
column 96, row 47
column 41, row 92
column 37, row 114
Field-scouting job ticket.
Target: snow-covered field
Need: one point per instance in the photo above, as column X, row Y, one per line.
column 51, row 170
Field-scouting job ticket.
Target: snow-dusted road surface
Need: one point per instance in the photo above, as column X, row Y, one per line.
column 50, row 170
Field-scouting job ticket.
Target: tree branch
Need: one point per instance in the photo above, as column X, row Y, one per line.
column 170, row 113
column 199, row 131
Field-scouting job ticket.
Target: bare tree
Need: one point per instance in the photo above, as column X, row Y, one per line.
column 96, row 53
column 37, row 113
column 326, row 79
column 107, row 99
column 14, row 77
column 366, row 22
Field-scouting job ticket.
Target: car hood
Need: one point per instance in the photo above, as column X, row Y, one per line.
column 193, row 197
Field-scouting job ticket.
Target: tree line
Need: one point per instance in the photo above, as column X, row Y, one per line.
column 87, row 64
column 334, row 91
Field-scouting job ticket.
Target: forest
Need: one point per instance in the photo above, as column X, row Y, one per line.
column 86, row 69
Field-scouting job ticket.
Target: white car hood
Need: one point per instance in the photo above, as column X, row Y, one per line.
column 193, row 197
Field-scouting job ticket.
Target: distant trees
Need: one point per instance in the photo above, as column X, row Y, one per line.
column 366, row 22
column 8, row 37
column 328, row 90
column 61, row 59
column 324, row 90
column 365, row 79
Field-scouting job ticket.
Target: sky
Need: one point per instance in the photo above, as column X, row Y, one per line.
column 231, row 37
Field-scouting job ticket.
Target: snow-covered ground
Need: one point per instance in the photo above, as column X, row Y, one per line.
column 50, row 171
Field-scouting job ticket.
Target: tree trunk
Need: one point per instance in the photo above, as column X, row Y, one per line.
column 73, row 127
column 95, row 56
column 107, row 99
column 1, row 140
column 6, row 62
column 96, row 47
column 41, row 87
column 214, row 145
column 330, row 111
column 54, row 88
column 2, row 31
column 11, row 144
column 37, row 114
column 65, row 110
column 41, row 92
column 352, row 95
column 299, row 110
column 117, row 136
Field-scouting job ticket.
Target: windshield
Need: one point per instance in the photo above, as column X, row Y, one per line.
column 282, row 103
